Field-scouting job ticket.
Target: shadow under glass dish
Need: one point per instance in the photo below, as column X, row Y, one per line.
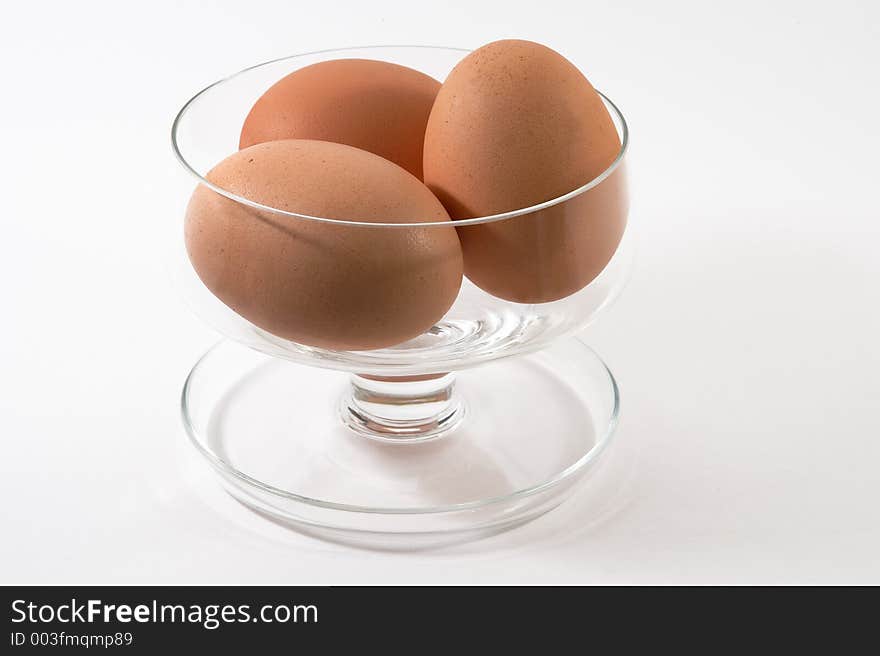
column 284, row 423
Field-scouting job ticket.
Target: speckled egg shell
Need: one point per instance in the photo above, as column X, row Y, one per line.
column 317, row 283
column 516, row 124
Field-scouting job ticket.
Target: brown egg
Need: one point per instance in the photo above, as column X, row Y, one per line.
column 516, row 124
column 317, row 283
column 373, row 105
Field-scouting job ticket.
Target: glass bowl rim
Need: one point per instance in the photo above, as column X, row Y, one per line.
column 624, row 142
column 224, row 467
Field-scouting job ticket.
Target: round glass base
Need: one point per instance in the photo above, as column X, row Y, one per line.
column 526, row 430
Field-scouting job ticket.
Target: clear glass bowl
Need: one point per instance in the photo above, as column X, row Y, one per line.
column 404, row 395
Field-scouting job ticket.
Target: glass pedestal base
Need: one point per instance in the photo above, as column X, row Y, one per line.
column 519, row 434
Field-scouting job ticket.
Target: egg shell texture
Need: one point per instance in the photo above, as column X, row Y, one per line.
column 317, row 283
column 373, row 105
column 516, row 124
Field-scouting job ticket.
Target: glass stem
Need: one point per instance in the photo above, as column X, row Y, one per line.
column 402, row 410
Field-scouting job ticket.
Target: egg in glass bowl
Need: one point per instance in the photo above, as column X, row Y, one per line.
column 400, row 363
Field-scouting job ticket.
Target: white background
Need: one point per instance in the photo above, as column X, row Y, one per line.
column 747, row 345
